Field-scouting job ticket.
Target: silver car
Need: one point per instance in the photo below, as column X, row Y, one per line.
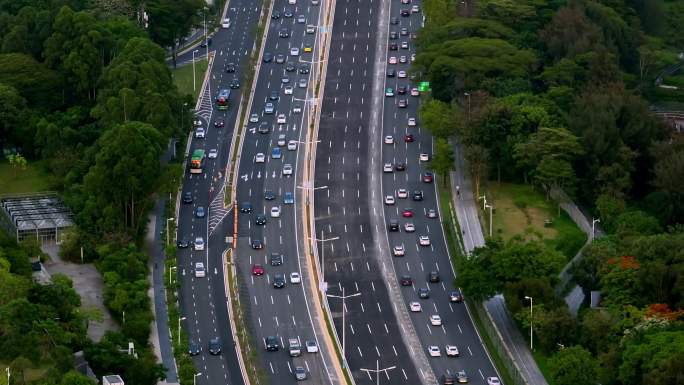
column 303, row 83
column 268, row 109
column 287, row 169
column 300, row 373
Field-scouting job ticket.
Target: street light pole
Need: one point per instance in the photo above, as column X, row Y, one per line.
column 593, row 226
column 7, row 369
column 344, row 312
column 377, row 371
column 172, row 268
column 491, row 208
column 531, row 320
column 194, row 378
column 484, row 201
column 167, row 229
column 179, row 321
column 194, row 80
column 323, row 240
column 467, row 94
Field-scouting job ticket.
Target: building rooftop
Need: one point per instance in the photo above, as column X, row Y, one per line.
column 36, row 211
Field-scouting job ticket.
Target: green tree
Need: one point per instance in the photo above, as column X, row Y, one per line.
column 18, row 162
column 669, row 179
column 12, row 109
column 443, row 160
column 76, row 378
column 570, row 33
column 170, row 21
column 572, row 366
column 438, row 118
column 650, row 352
column 477, row 158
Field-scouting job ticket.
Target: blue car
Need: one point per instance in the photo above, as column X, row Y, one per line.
column 276, row 153
column 199, row 212
column 288, row 198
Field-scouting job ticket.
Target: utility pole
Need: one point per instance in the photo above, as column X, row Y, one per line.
column 323, row 240
column 531, row 320
column 377, row 371
column 593, row 226
column 344, row 328
column 491, row 208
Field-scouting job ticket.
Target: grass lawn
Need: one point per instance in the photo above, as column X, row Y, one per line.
column 30, row 374
column 543, row 363
column 29, row 180
column 182, row 77
column 520, row 210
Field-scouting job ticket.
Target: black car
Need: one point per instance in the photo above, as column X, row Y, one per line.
column 257, row 244
column 183, row 243
column 246, row 207
column 287, row 12
column 400, row 166
column 391, row 73
column 455, row 296
column 284, row 33
column 394, row 21
column 264, row 128
column 401, row 90
column 193, row 348
column 275, row 15
column 279, row 281
column 289, row 67
column 234, row 84
column 215, row 346
column 273, row 95
column 405, row 12
column 267, row 57
column 423, row 293
column 187, row 197
column 269, row 195
column 276, row 259
column 219, row 123
column 406, row 281
column 260, row 219
column 230, row 68
column 433, row 277
column 304, row 69
column 447, row 379
column 393, row 47
column 272, row 344
column 417, row 195
column 393, row 225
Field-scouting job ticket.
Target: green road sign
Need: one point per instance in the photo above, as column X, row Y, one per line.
column 424, row 86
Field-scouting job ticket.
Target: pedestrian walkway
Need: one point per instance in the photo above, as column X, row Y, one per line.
column 465, row 205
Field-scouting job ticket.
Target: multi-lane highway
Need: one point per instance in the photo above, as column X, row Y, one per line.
column 268, row 252
column 343, row 161
column 410, row 200
column 203, row 302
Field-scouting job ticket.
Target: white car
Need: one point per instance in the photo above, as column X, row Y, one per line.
column 403, row 59
column 402, row 193
column 297, row 109
column 199, row 132
column 415, row 92
column 424, row 240
column 292, row 2
column 281, row 140
column 281, row 119
column 295, row 277
column 398, row 250
column 435, row 320
column 292, row 145
column 401, row 74
column 387, row 167
column 393, row 60
column 415, row 307
column 310, row 28
column 409, row 227
column 452, row 351
column 287, row 169
column 289, row 90
column 493, row 381
column 414, row 9
column 225, row 23
column 424, row 157
column 411, row 122
column 260, row 157
column 389, row 200
column 389, row 139
column 213, row 154
column 197, row 122
column 434, row 351
column 199, row 243
column 254, row 118
column 275, row 212
column 294, row 51
column 200, row 271
column 311, row 346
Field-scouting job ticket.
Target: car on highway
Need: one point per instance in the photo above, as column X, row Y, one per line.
column 264, row 128
column 287, row 169
column 187, row 197
column 394, row 21
column 276, row 153
column 461, row 377
column 398, row 250
column 258, row 270
column 391, row 73
column 267, row 58
column 292, row 145
column 260, row 157
column 271, row 344
column 402, row 103
column 268, row 108
column 409, row 138
column 389, row 200
column 234, row 84
column 493, row 381
column 280, row 58
column 415, row 92
column 404, row 32
column 257, row 244
column 405, row 12
column 417, row 195
column 254, row 118
column 308, row 47
column 404, row 45
column 431, row 213
column 279, row 281
column 403, row 59
column 411, row 122
column 275, row 212
column 300, row 373
column 193, row 348
column 406, row 281
column 285, row 79
column 387, row 167
column 415, row 307
column 275, row 15
column 304, row 69
column 311, row 346
column 401, row 90
column 297, row 109
column 423, row 293
column 393, row 225
column 276, row 259
column 225, row 23
column 295, row 277
column 427, row 177
column 310, row 29
column 284, row 33
column 289, row 90
column 435, row 320
column 294, row 51
column 199, row 212
column 451, row 351
column 273, row 95
column 415, row 9
column 424, row 157
column 400, row 166
column 246, row 207
column 200, row 271
column 393, row 35
column 447, row 379
column 409, row 227
column 455, row 296
column 183, row 243
column 260, row 219
column 402, row 193
column 407, row 213
column 434, row 351
column 424, row 240
column 269, row 195
column 281, row 119
column 392, row 60
column 303, row 82
column 301, row 19
column 393, row 46
column 389, row 139
column 289, row 67
column 215, row 346
column 199, row 132
column 219, row 123
column 389, row 92
column 288, row 198
column 281, row 140
column 287, row 12
column 199, row 244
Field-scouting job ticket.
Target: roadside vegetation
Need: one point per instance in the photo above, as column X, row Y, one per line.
column 89, row 103
column 182, row 77
column 555, row 96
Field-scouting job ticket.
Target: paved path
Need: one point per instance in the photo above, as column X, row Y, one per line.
column 465, row 205
column 160, row 329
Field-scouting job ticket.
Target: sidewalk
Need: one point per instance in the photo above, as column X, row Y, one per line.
column 466, row 213
column 159, row 336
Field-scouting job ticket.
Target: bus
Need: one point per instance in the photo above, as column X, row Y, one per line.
column 197, row 161
column 222, row 99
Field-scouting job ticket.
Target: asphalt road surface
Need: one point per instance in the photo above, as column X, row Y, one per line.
column 283, row 313
column 203, row 302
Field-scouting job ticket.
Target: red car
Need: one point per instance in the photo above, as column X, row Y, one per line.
column 409, row 138
column 427, row 177
column 257, row 270
column 407, row 213
column 219, row 123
